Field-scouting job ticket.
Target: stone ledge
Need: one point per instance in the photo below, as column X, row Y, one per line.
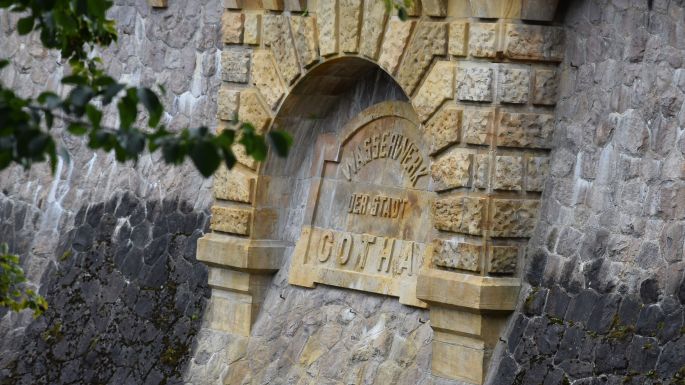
column 241, row 254
column 470, row 291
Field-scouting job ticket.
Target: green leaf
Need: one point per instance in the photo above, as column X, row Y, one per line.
column 204, row 155
column 77, row 129
column 76, row 80
column 152, row 104
column 80, row 96
column 128, row 109
column 402, row 14
column 4, row 63
column 111, row 91
column 282, row 141
column 49, row 99
column 94, row 115
column 25, row 25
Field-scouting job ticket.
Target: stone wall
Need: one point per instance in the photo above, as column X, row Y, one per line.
column 112, row 246
column 606, row 295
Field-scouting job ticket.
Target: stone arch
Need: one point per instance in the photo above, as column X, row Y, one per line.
column 482, row 82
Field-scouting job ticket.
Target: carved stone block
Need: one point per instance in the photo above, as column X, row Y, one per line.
column 430, row 39
column 394, row 43
column 443, row 128
column 457, row 255
column 513, row 217
column 481, row 174
column 525, row 130
column 231, row 220
column 373, row 24
column 503, row 259
column 534, row 42
column 459, row 214
column 232, row 27
column 227, row 103
column 303, row 29
column 235, row 65
column 253, row 27
column 545, row 89
column 477, row 125
column 508, row 173
column 326, row 19
column 458, row 33
column 277, row 36
column 483, row 40
column 514, row 85
column 266, row 79
column 436, row 88
column 537, row 169
column 233, row 185
column 350, row 13
column 475, row 84
column 451, row 170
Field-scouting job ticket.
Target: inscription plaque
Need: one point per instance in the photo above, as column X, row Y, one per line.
column 368, row 220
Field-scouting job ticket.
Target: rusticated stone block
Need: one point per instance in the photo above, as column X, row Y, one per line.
column 534, row 42
column 242, row 157
column 430, row 39
column 303, row 29
column 483, row 40
column 513, row 217
column 525, row 130
column 459, row 214
column 326, row 22
column 503, row 259
column 514, row 85
column 443, row 128
column 451, row 171
column 296, row 5
column 545, row 89
column 253, row 27
column 436, row 88
column 235, row 65
column 350, row 12
column 231, row 220
column 233, row 4
column 457, row 255
column 508, row 173
column 158, row 3
column 273, row 5
column 481, row 173
column 232, row 27
column 373, row 24
column 277, row 36
column 394, row 42
column 537, row 169
column 477, row 125
column 252, row 110
column 227, row 103
column 266, row 79
column 458, row 33
column 233, row 185
column 474, row 84
column 434, row 7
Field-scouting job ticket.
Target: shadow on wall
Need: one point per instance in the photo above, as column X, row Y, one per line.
column 126, row 299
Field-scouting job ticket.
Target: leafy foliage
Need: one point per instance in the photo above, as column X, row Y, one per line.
column 12, row 295
column 76, row 28
column 401, row 6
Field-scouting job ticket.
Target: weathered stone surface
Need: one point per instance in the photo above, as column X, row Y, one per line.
column 436, row 88
column 373, row 24
column 534, row 42
column 483, row 39
column 273, row 5
column 477, row 125
column 304, row 34
column 525, row 130
column 508, row 173
column 232, row 27
column 266, row 79
column 457, row 255
column 434, row 7
column 252, row 31
column 253, row 110
column 451, row 170
column 459, row 214
column 235, row 65
column 481, row 175
column 227, row 103
column 545, row 88
column 514, row 85
column 513, row 217
column 277, row 36
column 475, row 83
column 233, row 185
column 443, row 128
column 231, row 220
column 503, row 259
column 326, row 23
column 394, row 43
column 350, row 20
column 430, row 39
column 458, row 34
column 537, row 170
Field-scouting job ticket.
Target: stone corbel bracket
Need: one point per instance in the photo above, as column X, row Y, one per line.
column 482, row 81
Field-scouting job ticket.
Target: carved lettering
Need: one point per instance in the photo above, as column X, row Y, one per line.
column 377, row 206
column 386, row 146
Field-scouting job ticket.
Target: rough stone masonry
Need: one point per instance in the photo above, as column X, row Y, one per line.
column 555, row 146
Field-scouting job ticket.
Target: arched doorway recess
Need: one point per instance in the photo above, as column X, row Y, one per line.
column 482, row 84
